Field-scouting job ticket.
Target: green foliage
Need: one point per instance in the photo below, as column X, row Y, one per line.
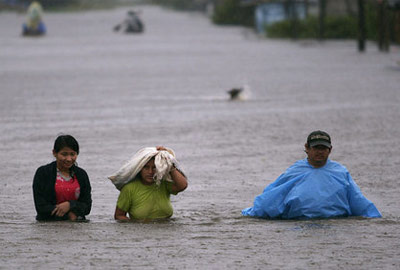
column 340, row 27
column 231, row 12
column 282, row 29
column 336, row 27
column 181, row 4
column 371, row 20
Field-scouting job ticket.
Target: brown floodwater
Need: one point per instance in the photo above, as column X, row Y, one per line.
column 117, row 93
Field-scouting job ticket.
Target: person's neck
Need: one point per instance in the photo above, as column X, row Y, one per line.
column 317, row 165
column 64, row 172
column 146, row 183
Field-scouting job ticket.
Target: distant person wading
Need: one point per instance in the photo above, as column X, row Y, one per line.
column 131, row 24
column 34, row 25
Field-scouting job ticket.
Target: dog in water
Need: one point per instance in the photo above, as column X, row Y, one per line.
column 240, row 93
column 235, row 93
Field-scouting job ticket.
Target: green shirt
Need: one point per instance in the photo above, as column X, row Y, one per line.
column 146, row 201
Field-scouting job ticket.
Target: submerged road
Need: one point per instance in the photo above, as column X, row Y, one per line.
column 117, row 93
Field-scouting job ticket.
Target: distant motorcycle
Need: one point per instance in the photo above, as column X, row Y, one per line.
column 131, row 24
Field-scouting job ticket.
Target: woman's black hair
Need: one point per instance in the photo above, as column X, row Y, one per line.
column 66, row 141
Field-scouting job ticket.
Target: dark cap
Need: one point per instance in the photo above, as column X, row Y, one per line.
column 319, row 138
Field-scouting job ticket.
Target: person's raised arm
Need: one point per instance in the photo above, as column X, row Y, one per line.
column 180, row 181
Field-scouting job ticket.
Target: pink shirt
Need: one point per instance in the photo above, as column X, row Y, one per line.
column 67, row 189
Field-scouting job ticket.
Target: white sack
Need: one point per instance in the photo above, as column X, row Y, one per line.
column 164, row 161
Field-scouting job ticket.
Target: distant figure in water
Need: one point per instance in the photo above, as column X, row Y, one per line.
column 131, row 24
column 235, row 93
column 61, row 190
column 146, row 183
column 315, row 187
column 239, row 93
column 34, row 25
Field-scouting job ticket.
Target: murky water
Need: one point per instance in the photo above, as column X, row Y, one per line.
column 117, row 93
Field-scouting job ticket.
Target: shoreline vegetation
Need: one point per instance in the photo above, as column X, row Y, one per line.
column 336, row 26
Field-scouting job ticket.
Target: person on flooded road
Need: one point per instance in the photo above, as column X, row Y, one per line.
column 315, row 187
column 34, row 25
column 61, row 190
column 131, row 24
column 146, row 183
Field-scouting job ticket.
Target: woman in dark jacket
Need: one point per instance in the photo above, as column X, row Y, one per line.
column 61, row 190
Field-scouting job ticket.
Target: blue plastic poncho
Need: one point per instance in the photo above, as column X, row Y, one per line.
column 307, row 192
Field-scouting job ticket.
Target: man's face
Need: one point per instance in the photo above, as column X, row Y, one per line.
column 318, row 155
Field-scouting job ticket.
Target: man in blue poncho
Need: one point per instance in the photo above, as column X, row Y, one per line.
column 315, row 187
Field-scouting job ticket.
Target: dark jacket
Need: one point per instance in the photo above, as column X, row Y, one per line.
column 44, row 193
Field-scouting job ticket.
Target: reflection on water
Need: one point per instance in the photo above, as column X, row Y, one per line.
column 118, row 93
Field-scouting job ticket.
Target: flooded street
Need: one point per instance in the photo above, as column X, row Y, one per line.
column 117, row 93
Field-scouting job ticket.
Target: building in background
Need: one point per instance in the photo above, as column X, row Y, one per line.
column 268, row 12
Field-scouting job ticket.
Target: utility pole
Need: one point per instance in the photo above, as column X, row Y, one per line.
column 322, row 15
column 292, row 14
column 383, row 33
column 361, row 26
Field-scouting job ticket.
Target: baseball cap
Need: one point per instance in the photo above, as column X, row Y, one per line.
column 319, row 137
